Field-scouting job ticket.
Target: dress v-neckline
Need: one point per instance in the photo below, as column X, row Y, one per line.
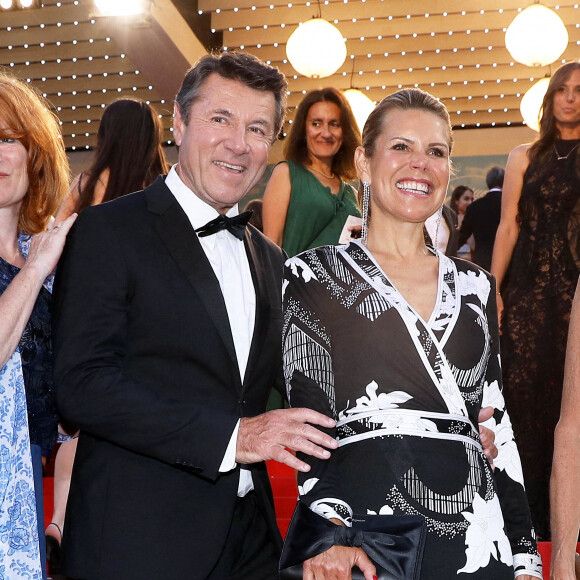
column 436, row 308
column 428, row 337
column 327, row 187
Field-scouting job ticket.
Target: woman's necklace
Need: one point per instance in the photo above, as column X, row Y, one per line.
column 321, row 172
column 560, row 157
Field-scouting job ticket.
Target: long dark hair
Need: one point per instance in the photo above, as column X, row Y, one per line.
column 295, row 148
column 456, row 195
column 129, row 146
column 542, row 149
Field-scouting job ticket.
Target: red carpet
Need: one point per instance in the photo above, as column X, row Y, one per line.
column 285, row 496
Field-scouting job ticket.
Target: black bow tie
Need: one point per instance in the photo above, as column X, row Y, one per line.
column 235, row 225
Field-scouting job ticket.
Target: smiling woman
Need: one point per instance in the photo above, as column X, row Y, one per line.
column 14, row 178
column 399, row 344
column 408, row 170
column 33, row 181
column 307, row 200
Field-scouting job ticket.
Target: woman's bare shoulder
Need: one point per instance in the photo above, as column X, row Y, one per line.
column 520, row 152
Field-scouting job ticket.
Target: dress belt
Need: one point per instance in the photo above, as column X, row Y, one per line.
column 382, row 422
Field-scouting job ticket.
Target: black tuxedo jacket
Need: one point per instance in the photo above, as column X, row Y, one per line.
column 450, row 218
column 146, row 367
column 482, row 219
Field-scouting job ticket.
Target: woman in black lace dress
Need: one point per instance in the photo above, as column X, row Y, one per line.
column 536, row 261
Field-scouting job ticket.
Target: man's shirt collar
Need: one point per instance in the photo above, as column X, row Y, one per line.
column 198, row 211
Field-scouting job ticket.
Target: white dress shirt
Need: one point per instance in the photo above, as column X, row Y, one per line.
column 229, row 261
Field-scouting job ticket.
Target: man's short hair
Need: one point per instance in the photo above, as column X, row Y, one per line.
column 494, row 177
column 237, row 66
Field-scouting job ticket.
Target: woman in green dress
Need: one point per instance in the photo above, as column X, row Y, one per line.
column 308, row 200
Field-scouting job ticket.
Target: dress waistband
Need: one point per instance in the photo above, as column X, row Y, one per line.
column 381, row 422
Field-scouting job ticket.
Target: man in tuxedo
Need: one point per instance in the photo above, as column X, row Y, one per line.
column 167, row 342
column 482, row 219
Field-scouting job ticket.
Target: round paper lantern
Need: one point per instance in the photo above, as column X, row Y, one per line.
column 361, row 106
column 537, row 36
column 316, row 48
column 531, row 103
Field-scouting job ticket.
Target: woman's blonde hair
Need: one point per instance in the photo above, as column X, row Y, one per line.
column 26, row 116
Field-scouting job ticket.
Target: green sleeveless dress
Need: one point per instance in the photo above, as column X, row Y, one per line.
column 315, row 215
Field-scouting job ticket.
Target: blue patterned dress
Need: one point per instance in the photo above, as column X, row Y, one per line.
column 406, row 394
column 19, row 423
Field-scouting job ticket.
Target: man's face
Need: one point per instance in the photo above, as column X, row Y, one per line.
column 223, row 150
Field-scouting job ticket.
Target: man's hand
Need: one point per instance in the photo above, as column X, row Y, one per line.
column 487, row 436
column 268, row 436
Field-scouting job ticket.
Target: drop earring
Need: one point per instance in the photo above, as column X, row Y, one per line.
column 439, row 216
column 365, row 211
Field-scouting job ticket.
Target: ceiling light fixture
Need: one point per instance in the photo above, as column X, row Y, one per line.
column 16, row 5
column 531, row 103
column 360, row 104
column 537, row 36
column 316, row 49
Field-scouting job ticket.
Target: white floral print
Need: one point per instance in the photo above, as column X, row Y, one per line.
column 485, row 536
column 472, row 283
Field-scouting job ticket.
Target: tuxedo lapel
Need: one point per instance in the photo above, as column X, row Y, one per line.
column 259, row 278
column 175, row 229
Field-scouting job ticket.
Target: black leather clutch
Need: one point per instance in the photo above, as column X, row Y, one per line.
column 394, row 543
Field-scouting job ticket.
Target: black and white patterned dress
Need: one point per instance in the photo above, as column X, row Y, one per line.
column 406, row 394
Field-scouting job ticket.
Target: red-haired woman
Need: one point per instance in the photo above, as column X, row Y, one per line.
column 33, row 181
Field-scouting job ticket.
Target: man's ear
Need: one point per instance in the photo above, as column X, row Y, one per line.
column 361, row 163
column 178, row 124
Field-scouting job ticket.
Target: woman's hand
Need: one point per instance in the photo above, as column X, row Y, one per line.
column 17, row 301
column 46, row 247
column 563, row 571
column 337, row 564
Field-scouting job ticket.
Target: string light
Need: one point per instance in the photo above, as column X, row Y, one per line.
column 16, row 4
column 414, row 66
